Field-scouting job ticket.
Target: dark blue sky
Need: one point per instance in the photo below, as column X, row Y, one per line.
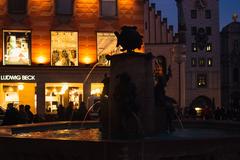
column 227, row 8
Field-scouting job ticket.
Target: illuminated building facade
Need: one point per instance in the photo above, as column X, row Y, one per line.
column 199, row 31
column 49, row 47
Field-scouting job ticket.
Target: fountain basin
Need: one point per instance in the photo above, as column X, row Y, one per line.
column 199, row 141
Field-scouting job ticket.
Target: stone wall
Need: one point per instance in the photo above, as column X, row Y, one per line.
column 86, row 19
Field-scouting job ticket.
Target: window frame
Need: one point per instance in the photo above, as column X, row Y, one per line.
column 63, row 14
column 200, row 60
column 193, row 14
column 50, row 32
column 195, row 61
column 29, row 46
column 97, row 45
column 101, row 9
column 208, row 14
column 235, row 75
column 209, row 45
column 236, row 44
column 209, row 30
column 18, row 11
column 194, row 46
column 194, row 30
column 202, row 77
column 210, row 59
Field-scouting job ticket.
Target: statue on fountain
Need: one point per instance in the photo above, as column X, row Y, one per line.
column 129, row 39
column 163, row 102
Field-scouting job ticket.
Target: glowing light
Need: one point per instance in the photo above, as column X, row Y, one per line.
column 20, row 87
column 64, row 88
column 198, row 109
column 40, row 59
column 87, row 60
column 96, row 91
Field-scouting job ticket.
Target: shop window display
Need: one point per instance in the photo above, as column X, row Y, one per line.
column 61, row 94
column 16, row 47
column 64, row 48
column 94, row 99
column 106, row 45
column 18, row 93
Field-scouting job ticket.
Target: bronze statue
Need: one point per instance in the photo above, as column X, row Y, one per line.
column 129, row 39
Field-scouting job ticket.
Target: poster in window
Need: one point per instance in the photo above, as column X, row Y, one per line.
column 17, row 47
column 64, row 48
column 106, row 45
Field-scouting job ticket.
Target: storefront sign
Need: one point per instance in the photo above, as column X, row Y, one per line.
column 17, row 77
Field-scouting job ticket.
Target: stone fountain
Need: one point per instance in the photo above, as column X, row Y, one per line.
column 135, row 117
column 136, row 106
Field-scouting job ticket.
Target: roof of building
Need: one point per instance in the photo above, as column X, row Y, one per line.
column 232, row 27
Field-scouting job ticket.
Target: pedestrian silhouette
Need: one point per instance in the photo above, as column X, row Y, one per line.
column 29, row 113
column 60, row 112
column 23, row 117
column 11, row 116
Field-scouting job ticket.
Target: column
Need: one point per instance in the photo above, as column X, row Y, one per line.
column 86, row 92
column 40, row 98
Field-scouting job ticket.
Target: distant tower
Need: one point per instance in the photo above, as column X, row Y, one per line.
column 199, row 29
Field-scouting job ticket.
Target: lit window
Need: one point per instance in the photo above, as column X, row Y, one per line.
column 108, row 8
column 201, row 62
column 17, row 6
column 208, row 14
column 16, row 47
column 64, row 48
column 209, row 47
column 96, row 89
column 194, row 47
column 193, row 14
column 210, row 62
column 202, row 80
column 64, row 7
column 57, row 94
column 106, row 45
column 194, row 62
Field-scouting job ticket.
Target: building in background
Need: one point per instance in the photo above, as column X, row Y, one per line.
column 160, row 40
column 49, row 47
column 193, row 53
column 199, row 29
column 230, row 67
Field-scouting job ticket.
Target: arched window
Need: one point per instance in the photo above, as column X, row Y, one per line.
column 235, row 75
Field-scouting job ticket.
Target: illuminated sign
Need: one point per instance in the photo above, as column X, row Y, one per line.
column 17, row 77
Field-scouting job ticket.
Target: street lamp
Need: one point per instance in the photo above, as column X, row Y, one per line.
column 179, row 55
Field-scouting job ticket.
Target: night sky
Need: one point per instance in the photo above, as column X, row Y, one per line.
column 227, row 8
